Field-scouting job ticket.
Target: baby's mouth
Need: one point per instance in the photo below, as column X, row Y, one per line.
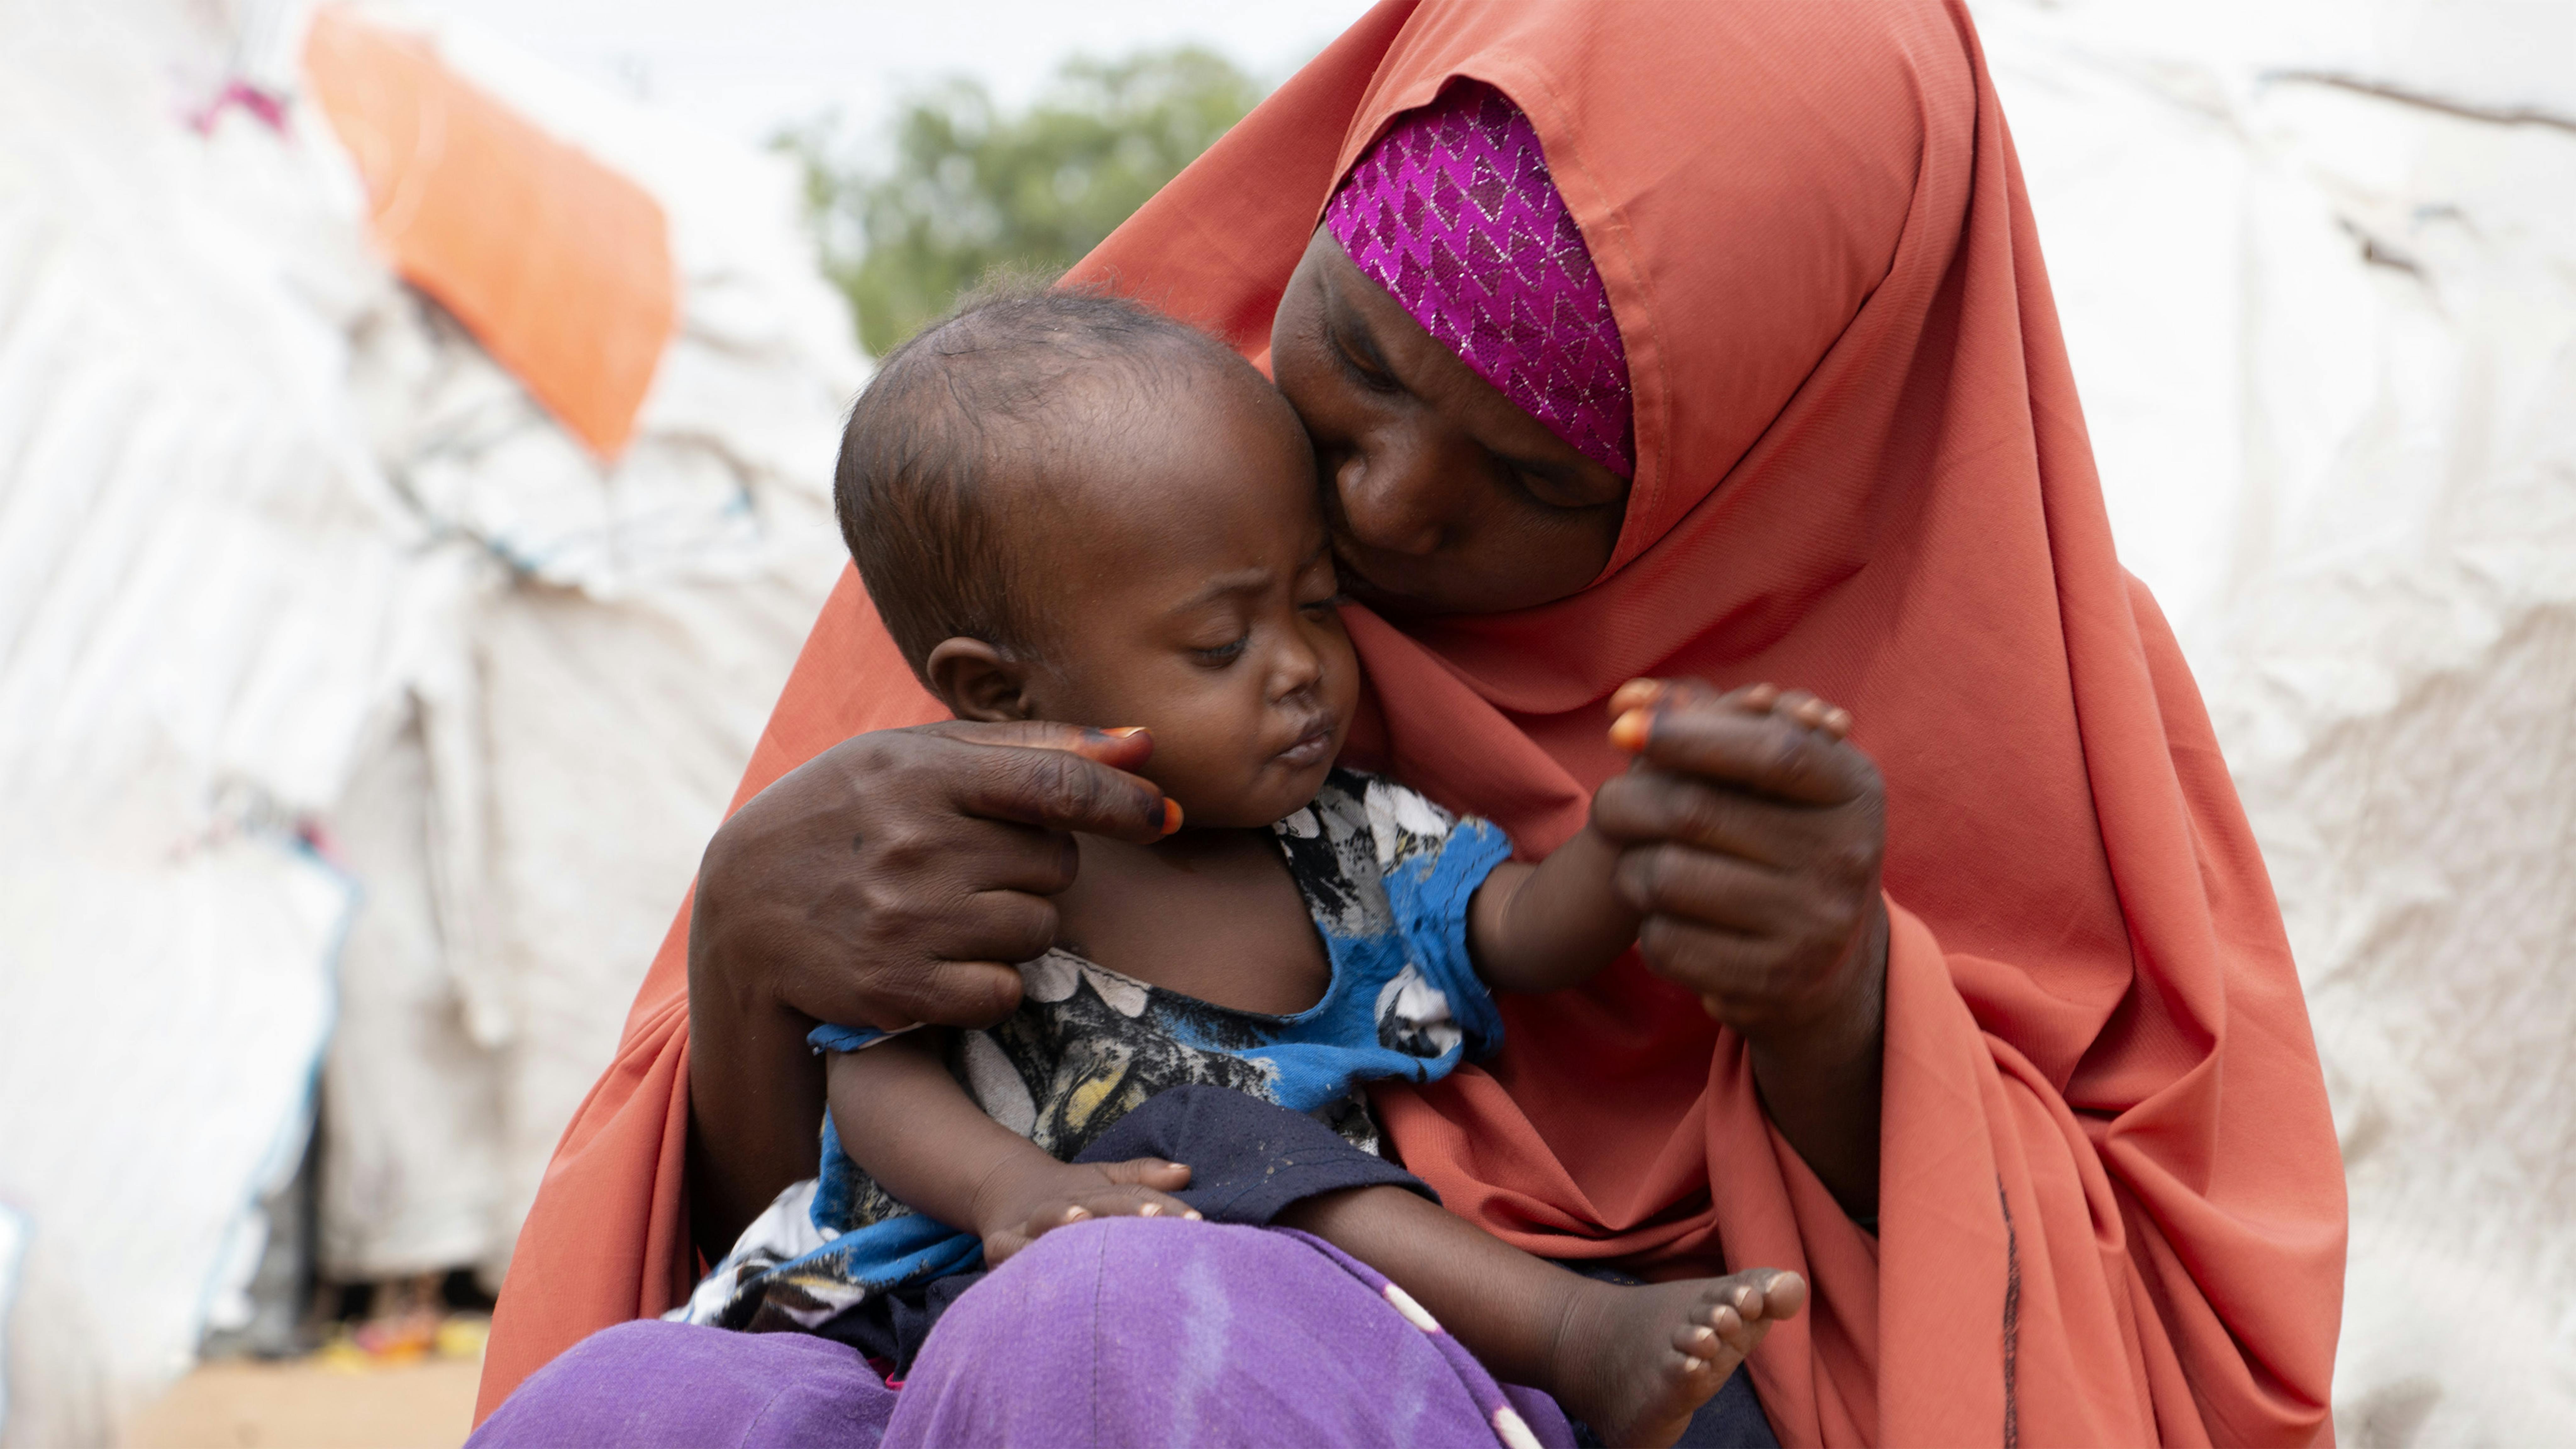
column 1312, row 748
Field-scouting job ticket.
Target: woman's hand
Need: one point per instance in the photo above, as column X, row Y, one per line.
column 1023, row 1203
column 1752, row 835
column 892, row 879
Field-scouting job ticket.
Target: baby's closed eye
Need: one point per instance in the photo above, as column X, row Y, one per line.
column 1219, row 655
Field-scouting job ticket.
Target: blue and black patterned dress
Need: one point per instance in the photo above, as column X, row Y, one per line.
column 1387, row 877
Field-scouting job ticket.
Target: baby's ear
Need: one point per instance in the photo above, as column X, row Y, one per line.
column 976, row 681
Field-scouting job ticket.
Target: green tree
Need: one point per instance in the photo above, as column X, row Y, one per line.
column 972, row 189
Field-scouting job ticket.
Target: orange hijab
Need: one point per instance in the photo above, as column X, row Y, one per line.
column 2111, row 1207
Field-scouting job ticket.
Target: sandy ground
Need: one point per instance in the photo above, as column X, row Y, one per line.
column 313, row 1404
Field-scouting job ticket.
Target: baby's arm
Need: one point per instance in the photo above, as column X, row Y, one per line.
column 1552, row 925
column 909, row 1124
column 1548, row 926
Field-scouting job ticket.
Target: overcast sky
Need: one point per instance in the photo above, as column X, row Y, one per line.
column 752, row 67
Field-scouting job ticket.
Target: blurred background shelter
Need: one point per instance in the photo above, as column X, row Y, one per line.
column 2317, row 264
column 353, row 685
column 414, row 468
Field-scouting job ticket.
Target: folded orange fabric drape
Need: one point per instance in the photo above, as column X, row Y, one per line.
column 2112, row 1207
column 560, row 266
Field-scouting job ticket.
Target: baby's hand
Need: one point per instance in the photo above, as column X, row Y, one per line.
column 1024, row 1206
column 1752, row 830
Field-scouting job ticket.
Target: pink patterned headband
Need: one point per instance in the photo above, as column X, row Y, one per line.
column 1453, row 212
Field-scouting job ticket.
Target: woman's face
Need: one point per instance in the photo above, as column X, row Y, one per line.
column 1442, row 494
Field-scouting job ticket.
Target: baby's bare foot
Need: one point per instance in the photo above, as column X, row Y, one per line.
column 1638, row 1361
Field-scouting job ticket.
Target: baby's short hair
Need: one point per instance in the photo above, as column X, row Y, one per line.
column 991, row 388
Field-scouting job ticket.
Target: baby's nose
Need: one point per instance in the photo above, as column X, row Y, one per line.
column 1295, row 670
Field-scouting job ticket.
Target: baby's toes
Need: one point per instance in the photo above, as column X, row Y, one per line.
column 1715, row 1331
column 1733, row 1313
column 1783, row 1293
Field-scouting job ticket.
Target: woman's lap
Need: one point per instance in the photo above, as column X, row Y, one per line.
column 1199, row 1333
column 1112, row 1332
column 656, row 1385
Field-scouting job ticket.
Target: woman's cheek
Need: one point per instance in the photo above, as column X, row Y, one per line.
column 1342, row 676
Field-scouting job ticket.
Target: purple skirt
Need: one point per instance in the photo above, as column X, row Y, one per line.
column 1114, row 1332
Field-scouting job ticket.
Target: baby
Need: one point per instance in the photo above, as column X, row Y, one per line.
column 1069, row 508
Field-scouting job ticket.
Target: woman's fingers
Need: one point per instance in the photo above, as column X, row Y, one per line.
column 952, row 991
column 1062, row 777
column 1639, row 693
column 978, row 855
column 1636, row 694
column 1762, row 983
column 958, row 972
column 1812, row 713
column 965, row 885
column 999, row 925
column 1826, row 901
column 888, row 881
column 1749, row 736
column 1648, row 805
column 1724, row 891
column 1754, row 835
column 1736, row 972
column 1769, row 752
column 937, row 991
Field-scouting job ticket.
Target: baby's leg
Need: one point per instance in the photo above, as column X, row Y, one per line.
column 1633, row 1362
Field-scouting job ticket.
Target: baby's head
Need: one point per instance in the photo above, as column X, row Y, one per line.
column 1067, row 507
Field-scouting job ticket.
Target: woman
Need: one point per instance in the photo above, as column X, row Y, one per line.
column 2007, row 1056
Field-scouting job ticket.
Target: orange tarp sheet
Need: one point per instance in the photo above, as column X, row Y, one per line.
column 559, row 266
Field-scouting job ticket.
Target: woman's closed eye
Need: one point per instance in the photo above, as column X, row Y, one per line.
column 1546, row 487
column 1362, row 367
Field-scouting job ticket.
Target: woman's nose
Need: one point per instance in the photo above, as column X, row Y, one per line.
column 1391, row 497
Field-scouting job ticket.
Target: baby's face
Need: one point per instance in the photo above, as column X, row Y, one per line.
column 1194, row 594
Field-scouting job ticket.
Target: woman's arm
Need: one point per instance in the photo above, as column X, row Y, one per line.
column 891, row 879
column 903, row 1118
column 1752, row 834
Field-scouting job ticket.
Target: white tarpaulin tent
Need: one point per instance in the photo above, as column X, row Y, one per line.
column 313, row 625
column 2317, row 261
column 537, row 812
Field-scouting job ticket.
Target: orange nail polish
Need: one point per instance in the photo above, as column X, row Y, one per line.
column 1123, row 731
column 1171, row 815
column 1636, row 694
column 1629, row 731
